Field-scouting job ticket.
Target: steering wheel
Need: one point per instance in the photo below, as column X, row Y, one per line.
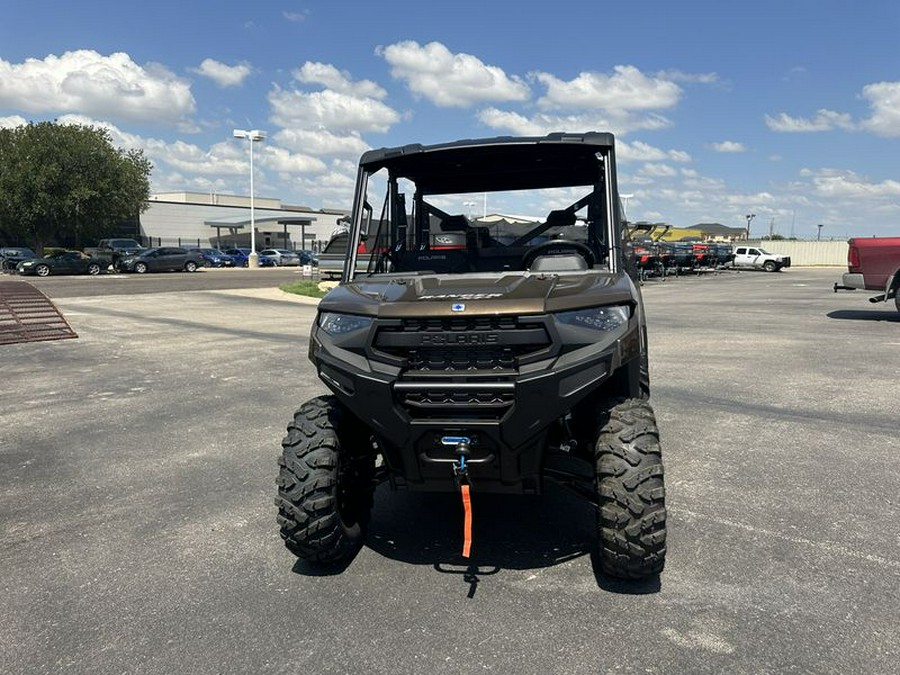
column 559, row 247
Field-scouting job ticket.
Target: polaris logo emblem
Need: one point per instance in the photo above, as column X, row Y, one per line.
column 450, row 339
column 458, row 307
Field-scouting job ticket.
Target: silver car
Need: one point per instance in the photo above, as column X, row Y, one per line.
column 282, row 256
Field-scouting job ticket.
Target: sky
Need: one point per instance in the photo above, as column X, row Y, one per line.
column 787, row 110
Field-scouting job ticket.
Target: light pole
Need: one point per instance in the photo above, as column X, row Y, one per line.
column 819, row 233
column 252, row 136
column 749, row 217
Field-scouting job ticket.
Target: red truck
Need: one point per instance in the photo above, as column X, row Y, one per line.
column 873, row 264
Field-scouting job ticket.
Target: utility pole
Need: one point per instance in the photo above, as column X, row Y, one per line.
column 749, row 217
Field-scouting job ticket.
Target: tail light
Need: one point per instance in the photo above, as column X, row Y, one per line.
column 853, row 257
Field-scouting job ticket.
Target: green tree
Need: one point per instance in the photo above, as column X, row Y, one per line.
column 67, row 184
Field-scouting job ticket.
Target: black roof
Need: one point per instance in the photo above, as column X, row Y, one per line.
column 717, row 229
column 500, row 163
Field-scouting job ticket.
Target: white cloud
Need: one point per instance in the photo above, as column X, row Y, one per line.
column 695, row 181
column 89, row 83
column 842, row 183
column 626, row 89
column 755, row 201
column 825, row 120
column 620, row 103
column 657, row 170
column 338, row 80
column 450, row 80
column 679, row 156
column 539, row 124
column 514, row 123
column 330, row 110
column 795, row 72
column 884, row 98
column 332, row 187
column 223, row 158
column 296, row 17
column 223, row 167
column 320, row 142
column 331, row 120
column 692, row 78
column 728, row 146
column 284, row 161
column 222, row 74
column 330, row 123
column 220, row 159
column 638, row 151
column 12, row 122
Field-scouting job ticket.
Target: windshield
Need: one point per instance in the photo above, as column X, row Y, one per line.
column 498, row 209
column 446, row 242
column 19, row 253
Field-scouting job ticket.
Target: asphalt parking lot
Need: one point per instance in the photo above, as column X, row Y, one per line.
column 137, row 469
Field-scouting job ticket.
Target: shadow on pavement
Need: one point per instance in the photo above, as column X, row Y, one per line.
column 864, row 315
column 509, row 531
column 514, row 532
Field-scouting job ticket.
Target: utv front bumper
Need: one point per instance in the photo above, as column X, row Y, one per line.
column 419, row 385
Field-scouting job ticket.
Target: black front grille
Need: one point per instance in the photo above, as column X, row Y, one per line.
column 468, row 405
column 462, row 344
column 455, row 360
column 460, row 367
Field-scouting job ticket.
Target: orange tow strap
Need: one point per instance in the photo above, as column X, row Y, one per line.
column 467, row 526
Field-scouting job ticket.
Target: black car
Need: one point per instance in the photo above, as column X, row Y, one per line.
column 162, row 259
column 63, row 262
column 11, row 256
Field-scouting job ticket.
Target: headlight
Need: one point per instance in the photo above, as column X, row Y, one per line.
column 597, row 318
column 26, row 263
column 342, row 324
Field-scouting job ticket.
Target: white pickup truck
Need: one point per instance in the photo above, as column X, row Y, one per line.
column 754, row 257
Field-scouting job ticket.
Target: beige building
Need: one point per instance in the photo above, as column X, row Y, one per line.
column 223, row 221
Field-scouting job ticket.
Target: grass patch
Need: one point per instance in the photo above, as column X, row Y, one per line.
column 308, row 288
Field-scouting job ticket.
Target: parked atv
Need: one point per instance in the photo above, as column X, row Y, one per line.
column 488, row 367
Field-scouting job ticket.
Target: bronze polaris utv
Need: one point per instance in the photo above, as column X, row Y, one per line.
column 481, row 356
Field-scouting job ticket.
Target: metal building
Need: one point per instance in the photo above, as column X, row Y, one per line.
column 223, row 221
